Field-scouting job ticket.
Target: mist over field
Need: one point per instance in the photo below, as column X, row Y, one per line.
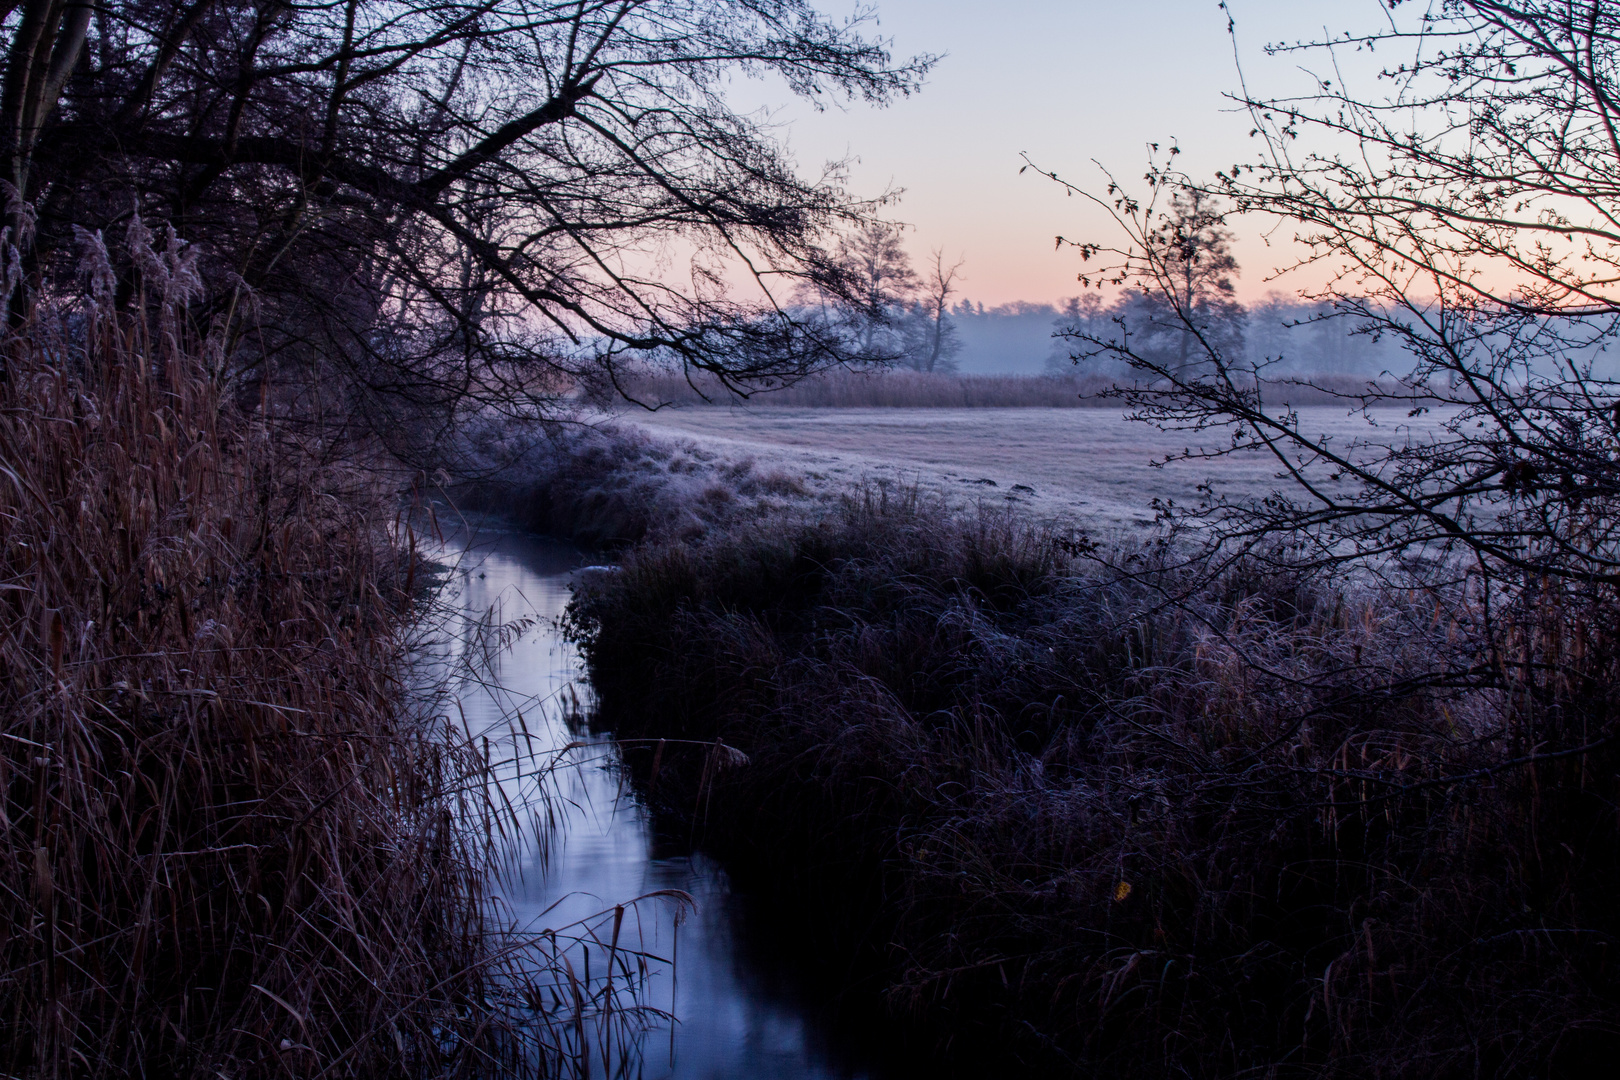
column 1018, row 339
column 1092, row 467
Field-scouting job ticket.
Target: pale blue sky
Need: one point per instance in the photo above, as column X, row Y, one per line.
column 1067, row 81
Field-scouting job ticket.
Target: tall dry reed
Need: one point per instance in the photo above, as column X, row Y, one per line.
column 229, row 844
column 878, row 388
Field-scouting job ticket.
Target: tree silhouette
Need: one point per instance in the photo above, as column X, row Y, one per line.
column 1486, row 251
column 438, row 201
column 1470, row 222
column 1193, row 318
column 934, row 340
column 868, row 299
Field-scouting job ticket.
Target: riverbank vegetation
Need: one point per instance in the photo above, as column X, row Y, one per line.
column 317, row 243
column 1149, row 822
column 234, row 843
column 1323, row 779
column 609, row 486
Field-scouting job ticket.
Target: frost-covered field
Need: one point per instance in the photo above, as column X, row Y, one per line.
column 1090, row 465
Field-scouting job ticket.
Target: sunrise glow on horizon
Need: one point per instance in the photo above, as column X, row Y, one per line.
column 1075, row 85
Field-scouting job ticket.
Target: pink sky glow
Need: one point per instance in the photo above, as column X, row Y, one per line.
column 1066, row 82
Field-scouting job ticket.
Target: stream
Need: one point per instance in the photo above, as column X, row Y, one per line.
column 590, row 845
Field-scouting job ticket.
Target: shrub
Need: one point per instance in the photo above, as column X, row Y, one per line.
column 1152, row 823
column 609, row 486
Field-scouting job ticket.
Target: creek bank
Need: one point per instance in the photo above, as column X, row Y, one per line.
column 739, row 1010
column 605, row 486
column 232, row 842
column 1042, row 808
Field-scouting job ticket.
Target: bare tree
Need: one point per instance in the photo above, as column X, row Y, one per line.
column 866, row 301
column 1178, row 311
column 1194, row 304
column 1472, row 225
column 937, row 340
column 443, row 201
column 1469, row 221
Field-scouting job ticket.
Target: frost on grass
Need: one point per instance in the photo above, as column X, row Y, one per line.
column 610, row 485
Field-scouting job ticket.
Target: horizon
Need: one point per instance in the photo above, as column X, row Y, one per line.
column 1007, row 240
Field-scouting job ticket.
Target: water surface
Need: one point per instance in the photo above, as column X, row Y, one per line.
column 590, row 847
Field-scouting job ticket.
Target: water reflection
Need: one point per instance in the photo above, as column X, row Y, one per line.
column 593, row 848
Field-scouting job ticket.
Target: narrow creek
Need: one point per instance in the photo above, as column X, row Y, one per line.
column 591, row 846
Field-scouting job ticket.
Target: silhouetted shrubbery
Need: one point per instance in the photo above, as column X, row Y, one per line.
column 1138, row 822
column 611, row 486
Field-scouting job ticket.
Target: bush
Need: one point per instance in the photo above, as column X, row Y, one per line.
column 1148, row 823
column 609, row 487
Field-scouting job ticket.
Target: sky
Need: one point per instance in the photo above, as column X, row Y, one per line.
column 1068, row 82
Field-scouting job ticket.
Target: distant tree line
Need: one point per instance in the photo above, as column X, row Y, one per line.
column 1284, row 333
column 890, row 315
column 1193, row 316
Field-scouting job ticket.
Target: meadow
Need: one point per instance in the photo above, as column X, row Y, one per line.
column 1093, row 467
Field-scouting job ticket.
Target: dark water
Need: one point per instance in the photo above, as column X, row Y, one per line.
column 591, row 846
